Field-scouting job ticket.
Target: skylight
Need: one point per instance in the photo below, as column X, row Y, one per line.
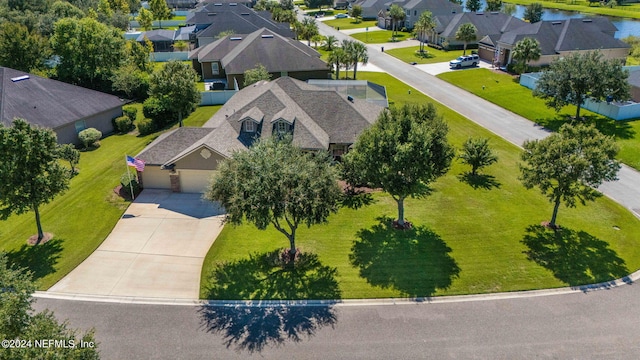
column 20, row 78
column 235, row 38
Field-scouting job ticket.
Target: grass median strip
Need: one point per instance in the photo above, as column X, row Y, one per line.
column 431, row 55
column 470, row 237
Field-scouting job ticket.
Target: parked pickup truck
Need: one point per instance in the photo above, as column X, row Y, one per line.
column 465, row 60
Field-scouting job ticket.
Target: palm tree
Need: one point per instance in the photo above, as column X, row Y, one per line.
column 317, row 38
column 397, row 14
column 524, row 51
column 358, row 53
column 307, row 29
column 347, row 47
column 466, row 32
column 337, row 58
column 330, row 42
column 423, row 26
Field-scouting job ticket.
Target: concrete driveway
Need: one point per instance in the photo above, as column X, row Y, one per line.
column 156, row 250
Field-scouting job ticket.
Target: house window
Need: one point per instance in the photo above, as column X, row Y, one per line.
column 408, row 13
column 215, row 69
column 80, row 125
column 282, row 127
column 415, row 12
column 249, row 126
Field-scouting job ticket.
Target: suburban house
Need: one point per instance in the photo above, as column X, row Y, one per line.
column 557, row 38
column 634, row 82
column 487, row 24
column 184, row 159
column 226, row 60
column 66, row 109
column 413, row 9
column 214, row 18
column 161, row 39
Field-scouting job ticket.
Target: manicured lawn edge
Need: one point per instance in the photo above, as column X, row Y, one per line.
column 623, row 11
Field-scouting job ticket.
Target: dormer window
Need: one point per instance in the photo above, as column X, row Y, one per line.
column 282, row 127
column 249, row 126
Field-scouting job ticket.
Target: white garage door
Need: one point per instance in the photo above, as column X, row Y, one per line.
column 195, row 181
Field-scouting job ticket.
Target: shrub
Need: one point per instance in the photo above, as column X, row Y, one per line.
column 146, row 126
column 155, row 110
column 123, row 124
column 130, row 112
column 89, row 136
column 129, row 180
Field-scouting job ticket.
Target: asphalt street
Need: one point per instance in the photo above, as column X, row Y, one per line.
column 601, row 324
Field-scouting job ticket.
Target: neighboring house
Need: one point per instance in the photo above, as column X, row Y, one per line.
column 413, row 9
column 634, row 81
column 161, row 39
column 487, row 24
column 226, row 59
column 317, row 119
column 182, row 4
column 557, row 38
column 65, row 108
column 212, row 19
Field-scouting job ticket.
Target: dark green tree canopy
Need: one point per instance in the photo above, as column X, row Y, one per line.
column 578, row 77
column 466, row 32
column 473, row 5
column 568, row 165
column 533, row 12
column 30, row 173
column 21, row 49
column 524, row 51
column 276, row 183
column 174, row 85
column 256, row 74
column 402, row 153
column 494, row 5
column 477, row 153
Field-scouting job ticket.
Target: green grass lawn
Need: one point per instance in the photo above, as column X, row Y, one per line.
column 411, row 54
column 380, row 36
column 82, row 217
column 625, row 10
column 502, row 90
column 470, row 239
column 350, row 23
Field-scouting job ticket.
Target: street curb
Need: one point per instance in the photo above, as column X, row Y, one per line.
column 627, row 280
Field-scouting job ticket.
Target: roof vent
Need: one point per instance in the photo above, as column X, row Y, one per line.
column 233, row 4
column 587, row 20
column 479, row 13
column 350, row 98
column 217, row 4
column 267, row 36
column 20, row 78
column 556, row 23
column 211, row 14
column 245, row 14
column 235, row 38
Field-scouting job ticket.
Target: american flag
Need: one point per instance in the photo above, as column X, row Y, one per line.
column 136, row 163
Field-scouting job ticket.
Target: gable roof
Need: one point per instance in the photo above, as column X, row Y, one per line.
column 157, row 35
column 437, row 7
column 214, row 18
column 567, row 35
column 239, row 53
column 489, row 23
column 320, row 117
column 48, row 103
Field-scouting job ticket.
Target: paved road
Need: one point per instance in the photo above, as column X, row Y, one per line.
column 504, row 123
column 598, row 325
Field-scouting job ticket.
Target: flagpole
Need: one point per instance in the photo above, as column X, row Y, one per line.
column 129, row 177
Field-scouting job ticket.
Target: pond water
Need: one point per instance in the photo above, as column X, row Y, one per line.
column 625, row 27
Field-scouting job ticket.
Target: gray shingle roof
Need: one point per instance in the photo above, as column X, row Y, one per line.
column 157, row 35
column 275, row 52
column 320, row 117
column 488, row 23
column 48, row 103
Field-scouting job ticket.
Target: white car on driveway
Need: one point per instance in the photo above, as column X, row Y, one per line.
column 464, row 61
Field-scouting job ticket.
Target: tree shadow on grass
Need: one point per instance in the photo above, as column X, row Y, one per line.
column 609, row 127
column 415, row 262
column 574, row 257
column 479, row 181
column 251, row 327
column 39, row 259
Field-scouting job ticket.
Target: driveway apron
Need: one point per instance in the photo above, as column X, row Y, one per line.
column 156, row 249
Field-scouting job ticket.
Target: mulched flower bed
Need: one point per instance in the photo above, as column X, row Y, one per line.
column 34, row 239
column 397, row 226
column 125, row 193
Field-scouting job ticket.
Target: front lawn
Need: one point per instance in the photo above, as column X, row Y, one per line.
column 380, row 36
column 82, row 217
column 471, row 236
column 502, row 90
column 350, row 23
column 431, row 56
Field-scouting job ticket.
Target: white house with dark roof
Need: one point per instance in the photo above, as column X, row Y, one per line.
column 317, row 119
column 66, row 109
column 226, row 59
